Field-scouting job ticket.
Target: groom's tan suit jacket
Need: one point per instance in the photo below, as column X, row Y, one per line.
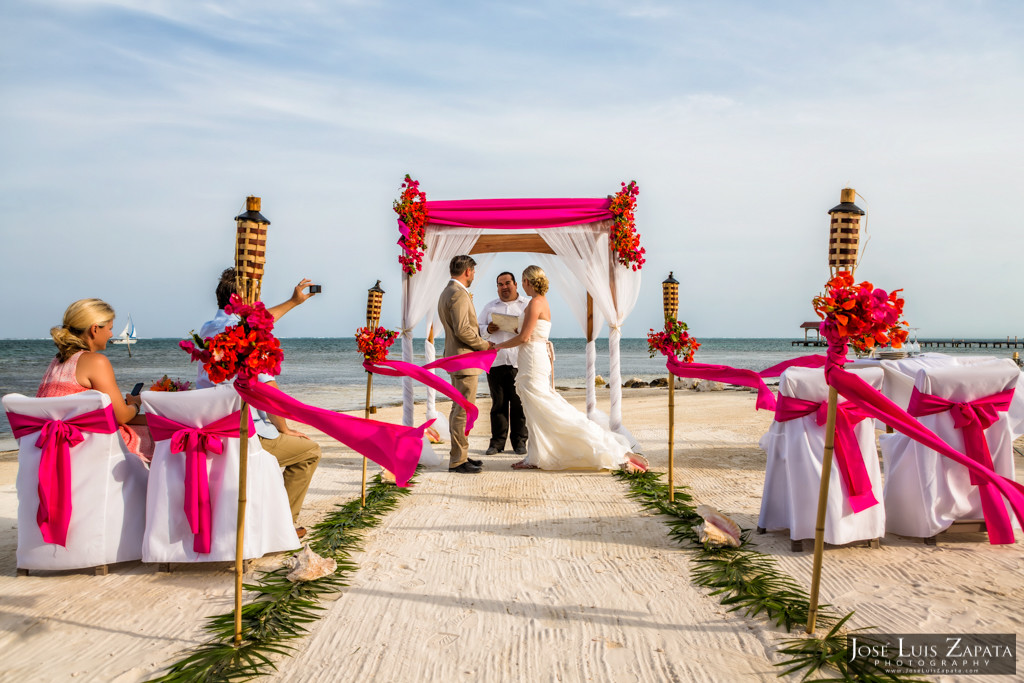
column 461, row 331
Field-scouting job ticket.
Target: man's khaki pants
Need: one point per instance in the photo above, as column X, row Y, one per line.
column 466, row 384
column 299, row 458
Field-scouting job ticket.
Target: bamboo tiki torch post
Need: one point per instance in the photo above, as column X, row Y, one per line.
column 250, row 258
column 844, row 235
column 670, row 303
column 374, row 299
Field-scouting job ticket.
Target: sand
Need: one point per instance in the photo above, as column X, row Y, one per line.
column 516, row 576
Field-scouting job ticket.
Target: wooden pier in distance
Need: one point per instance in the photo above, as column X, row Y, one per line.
column 1015, row 343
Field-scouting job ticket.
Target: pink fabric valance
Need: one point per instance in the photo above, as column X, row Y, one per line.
column 513, row 214
column 56, row 439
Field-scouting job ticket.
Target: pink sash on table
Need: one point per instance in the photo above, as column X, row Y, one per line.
column 56, row 438
column 196, row 443
column 849, row 459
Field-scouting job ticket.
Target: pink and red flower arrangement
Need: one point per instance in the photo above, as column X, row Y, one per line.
column 374, row 343
column 625, row 240
column 165, row 383
column 673, row 341
column 411, row 207
column 246, row 349
column 861, row 315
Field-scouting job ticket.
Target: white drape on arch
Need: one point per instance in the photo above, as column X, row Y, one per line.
column 585, row 251
column 420, row 292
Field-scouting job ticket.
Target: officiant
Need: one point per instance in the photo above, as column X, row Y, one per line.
column 499, row 321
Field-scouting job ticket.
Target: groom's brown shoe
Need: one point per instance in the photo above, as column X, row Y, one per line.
column 467, row 468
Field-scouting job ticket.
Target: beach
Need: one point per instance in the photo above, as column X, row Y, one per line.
column 516, row 576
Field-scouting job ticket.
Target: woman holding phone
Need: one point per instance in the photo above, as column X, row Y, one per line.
column 87, row 327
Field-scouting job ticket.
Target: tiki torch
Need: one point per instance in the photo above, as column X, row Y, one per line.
column 374, row 300
column 670, row 303
column 250, row 257
column 844, row 237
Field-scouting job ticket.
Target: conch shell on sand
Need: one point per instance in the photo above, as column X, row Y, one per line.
column 308, row 566
column 717, row 529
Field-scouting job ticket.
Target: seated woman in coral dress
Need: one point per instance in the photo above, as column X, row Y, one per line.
column 88, row 326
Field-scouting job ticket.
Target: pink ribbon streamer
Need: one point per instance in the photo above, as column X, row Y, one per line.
column 394, row 447
column 481, row 360
column 196, row 443
column 56, row 439
column 876, row 405
column 743, row 377
column 849, row 459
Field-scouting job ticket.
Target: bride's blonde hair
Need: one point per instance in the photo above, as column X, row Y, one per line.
column 80, row 316
column 537, row 278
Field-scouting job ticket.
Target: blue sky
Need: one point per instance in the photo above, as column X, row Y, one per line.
column 131, row 132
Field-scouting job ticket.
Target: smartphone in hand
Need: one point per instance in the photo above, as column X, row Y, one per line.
column 137, row 389
column 314, row 289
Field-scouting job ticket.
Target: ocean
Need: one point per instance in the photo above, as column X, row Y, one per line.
column 329, row 373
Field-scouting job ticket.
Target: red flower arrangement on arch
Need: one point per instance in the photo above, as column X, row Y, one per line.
column 374, row 343
column 625, row 240
column 860, row 314
column 246, row 349
column 673, row 341
column 411, row 207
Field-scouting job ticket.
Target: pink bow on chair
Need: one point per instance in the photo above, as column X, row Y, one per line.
column 847, row 449
column 196, row 443
column 972, row 418
column 56, row 439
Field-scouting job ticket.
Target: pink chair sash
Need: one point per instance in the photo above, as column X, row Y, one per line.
column 481, row 360
column 56, row 438
column 394, row 447
column 849, row 459
column 970, row 417
column 876, row 405
column 197, row 443
column 741, row 376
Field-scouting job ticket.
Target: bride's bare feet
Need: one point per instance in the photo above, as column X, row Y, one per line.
column 523, row 465
column 635, row 463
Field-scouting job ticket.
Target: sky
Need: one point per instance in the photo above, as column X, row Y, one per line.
column 131, row 132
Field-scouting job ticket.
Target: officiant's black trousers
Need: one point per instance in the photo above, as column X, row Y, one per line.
column 506, row 409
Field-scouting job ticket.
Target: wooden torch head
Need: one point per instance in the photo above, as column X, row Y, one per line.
column 844, row 233
column 374, row 299
column 670, row 296
column 250, row 250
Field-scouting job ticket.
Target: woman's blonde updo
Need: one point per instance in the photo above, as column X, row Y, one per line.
column 80, row 316
column 537, row 278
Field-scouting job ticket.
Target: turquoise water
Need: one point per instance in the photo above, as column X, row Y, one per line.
column 329, row 373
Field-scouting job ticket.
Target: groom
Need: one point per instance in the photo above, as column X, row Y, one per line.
column 461, row 335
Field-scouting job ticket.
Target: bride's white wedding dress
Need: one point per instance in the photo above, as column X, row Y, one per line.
column 561, row 437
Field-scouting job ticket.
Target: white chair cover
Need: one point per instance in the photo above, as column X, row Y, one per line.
column 108, row 491
column 793, row 472
column 926, row 492
column 268, row 518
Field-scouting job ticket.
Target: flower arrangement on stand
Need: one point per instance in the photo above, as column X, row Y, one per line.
column 411, row 207
column 860, row 315
column 165, row 383
column 246, row 349
column 374, row 343
column 625, row 240
column 674, row 341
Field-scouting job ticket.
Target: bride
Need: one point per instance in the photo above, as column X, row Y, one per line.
column 561, row 437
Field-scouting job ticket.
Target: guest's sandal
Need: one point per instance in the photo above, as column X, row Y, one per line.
column 523, row 465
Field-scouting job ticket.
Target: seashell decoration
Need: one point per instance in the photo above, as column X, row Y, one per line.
column 717, row 529
column 308, row 566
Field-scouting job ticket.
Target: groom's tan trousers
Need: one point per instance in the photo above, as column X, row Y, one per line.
column 466, row 384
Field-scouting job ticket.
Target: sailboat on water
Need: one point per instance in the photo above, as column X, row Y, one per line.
column 128, row 335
